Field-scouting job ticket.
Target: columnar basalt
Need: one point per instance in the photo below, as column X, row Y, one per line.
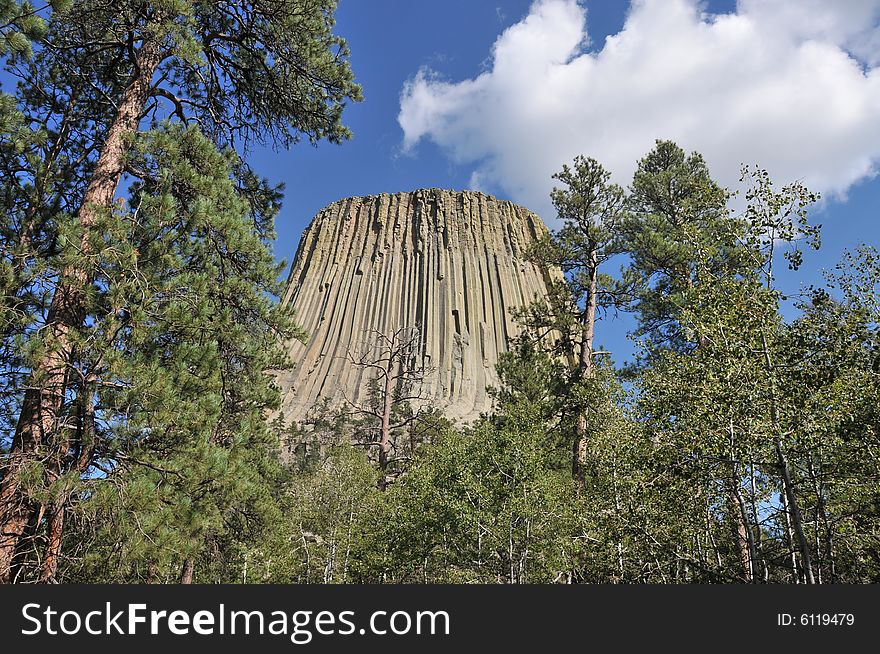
column 450, row 264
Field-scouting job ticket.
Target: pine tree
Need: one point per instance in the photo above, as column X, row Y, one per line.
column 20, row 25
column 677, row 216
column 174, row 367
column 591, row 208
column 242, row 72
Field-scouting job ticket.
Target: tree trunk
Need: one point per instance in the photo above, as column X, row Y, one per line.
column 85, row 445
column 387, row 403
column 797, row 521
column 579, row 452
column 585, row 371
column 44, row 397
column 186, row 575
column 54, row 532
column 793, row 508
column 822, row 517
column 385, row 439
column 736, row 513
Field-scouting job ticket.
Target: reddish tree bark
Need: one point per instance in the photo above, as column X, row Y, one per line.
column 735, row 513
column 36, row 431
column 54, row 532
column 186, row 575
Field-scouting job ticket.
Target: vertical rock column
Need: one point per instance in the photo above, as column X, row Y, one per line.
column 450, row 264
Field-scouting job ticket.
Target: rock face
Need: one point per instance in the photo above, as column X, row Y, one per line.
column 449, row 264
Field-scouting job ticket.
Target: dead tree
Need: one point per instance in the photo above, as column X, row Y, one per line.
column 396, row 378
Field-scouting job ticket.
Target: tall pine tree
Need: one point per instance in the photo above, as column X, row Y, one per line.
column 241, row 72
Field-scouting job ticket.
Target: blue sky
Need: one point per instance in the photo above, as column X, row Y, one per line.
column 451, row 101
column 497, row 94
column 390, row 41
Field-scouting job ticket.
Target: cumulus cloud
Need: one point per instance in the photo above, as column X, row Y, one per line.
column 792, row 85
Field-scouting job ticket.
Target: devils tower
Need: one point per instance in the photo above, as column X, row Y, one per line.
column 449, row 265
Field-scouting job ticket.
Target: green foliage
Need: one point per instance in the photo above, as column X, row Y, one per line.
column 243, row 71
column 743, row 448
column 330, row 510
column 160, row 450
column 591, row 209
column 530, row 377
column 761, row 411
column 708, row 410
column 677, row 216
column 178, row 365
column 831, row 364
column 747, row 451
column 20, row 25
column 480, row 506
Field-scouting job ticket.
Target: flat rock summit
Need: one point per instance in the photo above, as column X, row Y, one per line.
column 448, row 265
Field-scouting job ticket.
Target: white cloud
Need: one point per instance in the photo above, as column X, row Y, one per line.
column 793, row 85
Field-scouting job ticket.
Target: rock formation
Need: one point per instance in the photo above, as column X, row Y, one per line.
column 449, row 264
